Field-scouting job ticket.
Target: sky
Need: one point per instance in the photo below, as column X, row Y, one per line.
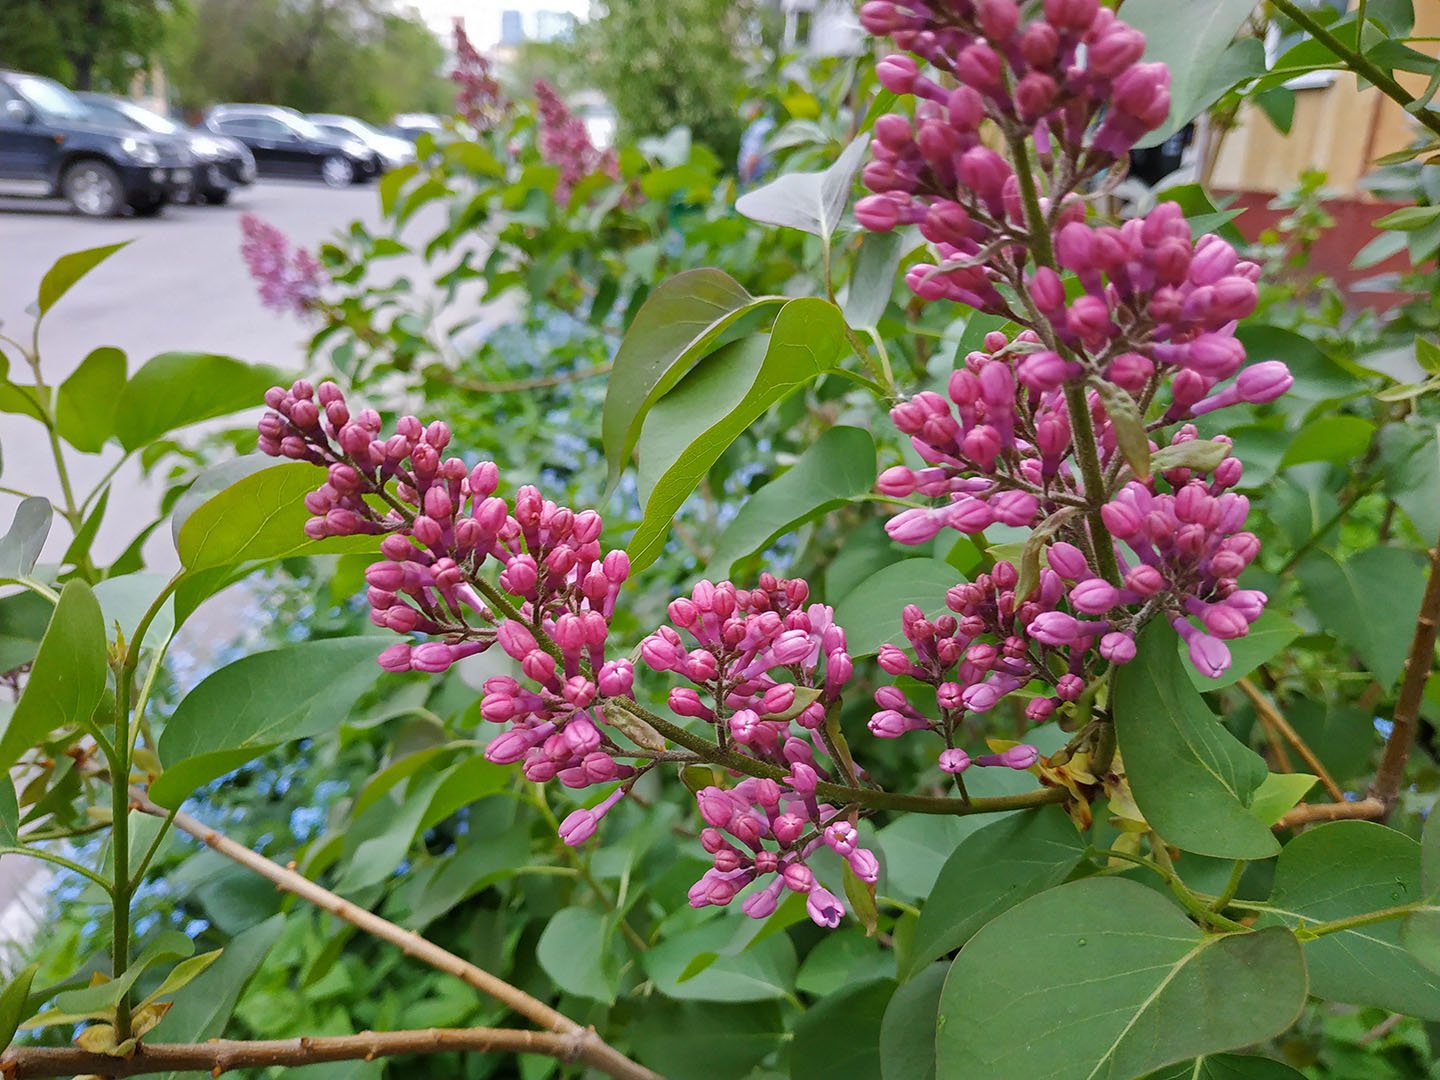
column 482, row 17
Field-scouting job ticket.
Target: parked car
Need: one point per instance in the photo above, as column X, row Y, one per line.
column 286, row 144
column 393, row 151
column 220, row 164
column 410, row 125
column 51, row 146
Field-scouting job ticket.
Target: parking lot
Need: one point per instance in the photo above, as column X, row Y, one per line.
column 180, row 285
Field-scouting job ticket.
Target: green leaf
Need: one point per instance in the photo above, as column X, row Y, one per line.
column 1410, row 467
column 695, row 423
column 67, row 678
column 20, row 547
column 1330, row 438
column 1191, row 778
column 1408, row 218
column 12, row 1004
column 1370, row 602
column 812, row 202
column 1106, row 979
column 1022, row 855
column 182, row 975
column 873, row 279
column 685, row 319
column 693, row 1040
column 260, row 517
column 79, row 548
column 838, row 466
column 88, row 402
column 96, row 1001
column 870, row 613
column 1279, row 793
column 470, row 870
column 23, row 619
column 1350, row 868
column 838, row 1038
column 1278, row 105
column 1268, row 637
column 1189, row 38
column 1228, row 1067
column 1420, row 932
column 907, row 1034
column 763, row 972
column 203, row 1012
column 175, row 389
column 69, row 269
column 1127, row 423
column 260, row 701
column 572, row 951
column 9, row 814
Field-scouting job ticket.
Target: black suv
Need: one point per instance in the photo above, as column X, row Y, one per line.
column 221, row 164
column 49, row 146
column 286, row 144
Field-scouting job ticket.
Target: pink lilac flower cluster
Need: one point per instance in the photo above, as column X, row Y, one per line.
column 564, row 143
column 478, row 98
column 444, row 522
column 289, row 280
column 992, row 644
column 766, row 669
column 1048, row 80
column 1044, row 427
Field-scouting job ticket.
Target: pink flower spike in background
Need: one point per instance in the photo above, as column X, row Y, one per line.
column 289, row 279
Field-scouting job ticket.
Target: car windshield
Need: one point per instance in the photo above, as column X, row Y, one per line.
column 150, row 121
column 49, row 98
column 301, row 126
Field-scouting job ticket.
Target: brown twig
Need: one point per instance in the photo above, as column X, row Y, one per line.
column 1391, row 774
column 1272, row 717
column 591, row 1049
column 221, row 1055
column 1314, row 813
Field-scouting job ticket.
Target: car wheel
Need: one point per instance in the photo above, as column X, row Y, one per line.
column 337, row 171
column 93, row 188
column 217, row 196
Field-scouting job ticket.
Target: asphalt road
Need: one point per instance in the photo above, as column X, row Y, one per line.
column 180, row 285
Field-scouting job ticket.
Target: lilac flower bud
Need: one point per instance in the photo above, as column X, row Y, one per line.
column 1117, row 50
column 1095, row 596
column 798, row 877
column 802, row 778
column 878, row 213
column 897, row 73
column 978, row 65
column 998, row 19
column 1118, row 648
column 517, row 641
column 841, row 837
column 395, row 659
column 968, row 515
column 865, row 865
column 580, row 825
column 824, row 908
column 1068, row 561
column 1264, row 382
column 954, row 761
column 509, row 746
column 762, row 904
column 1055, row 628
column 1019, row 757
column 1074, row 15
column 915, row 526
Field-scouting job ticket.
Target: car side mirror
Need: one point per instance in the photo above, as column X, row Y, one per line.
column 19, row 111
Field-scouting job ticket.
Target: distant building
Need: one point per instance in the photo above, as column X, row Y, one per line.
column 822, row 28
column 512, row 28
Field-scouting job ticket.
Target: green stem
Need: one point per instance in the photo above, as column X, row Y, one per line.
column 1082, row 432
column 1231, row 887
column 1188, row 900
column 1356, row 61
column 57, row 860
column 1082, row 437
column 120, row 892
column 155, row 845
column 837, row 793
column 1370, row 917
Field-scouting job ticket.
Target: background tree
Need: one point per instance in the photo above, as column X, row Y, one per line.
column 655, row 84
column 85, row 43
column 365, row 57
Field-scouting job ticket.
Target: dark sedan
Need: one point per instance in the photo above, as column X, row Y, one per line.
column 51, row 146
column 286, row 144
column 221, row 164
